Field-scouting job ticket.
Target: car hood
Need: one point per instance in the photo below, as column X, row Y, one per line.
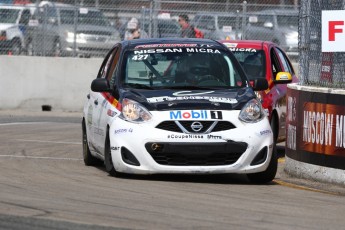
column 94, row 28
column 230, row 99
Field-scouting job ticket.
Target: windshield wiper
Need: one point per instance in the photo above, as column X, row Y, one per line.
column 138, row 86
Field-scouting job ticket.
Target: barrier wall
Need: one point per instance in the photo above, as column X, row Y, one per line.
column 30, row 82
column 315, row 133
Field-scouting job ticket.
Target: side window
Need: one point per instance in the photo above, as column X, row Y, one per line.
column 206, row 22
column 275, row 63
column 102, row 73
column 285, row 63
column 114, row 65
column 24, row 19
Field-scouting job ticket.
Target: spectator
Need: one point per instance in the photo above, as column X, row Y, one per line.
column 133, row 31
column 187, row 31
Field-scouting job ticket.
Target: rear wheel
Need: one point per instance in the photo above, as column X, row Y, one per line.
column 57, row 50
column 29, row 49
column 89, row 160
column 16, row 47
column 267, row 175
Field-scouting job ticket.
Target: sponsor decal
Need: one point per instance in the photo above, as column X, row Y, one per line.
column 165, row 45
column 119, row 131
column 112, row 101
column 230, row 45
column 190, row 93
column 185, row 136
column 195, row 114
column 176, row 50
column 265, row 132
column 291, row 127
column 251, row 50
column 323, row 127
column 216, row 114
column 181, row 98
column 209, row 136
column 104, row 103
column 111, row 113
column 115, row 148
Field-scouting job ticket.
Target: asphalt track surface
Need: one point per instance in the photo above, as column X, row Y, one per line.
column 44, row 184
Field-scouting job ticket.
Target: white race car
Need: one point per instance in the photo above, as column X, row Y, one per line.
column 177, row 106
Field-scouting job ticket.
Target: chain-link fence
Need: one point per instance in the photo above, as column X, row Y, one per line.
column 91, row 27
column 317, row 68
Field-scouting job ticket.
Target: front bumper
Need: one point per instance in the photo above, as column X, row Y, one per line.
column 161, row 151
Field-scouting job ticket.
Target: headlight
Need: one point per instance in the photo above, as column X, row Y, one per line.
column 252, row 112
column 132, row 111
column 80, row 38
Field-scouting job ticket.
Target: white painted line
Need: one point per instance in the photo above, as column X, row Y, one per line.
column 35, row 123
column 49, row 158
column 55, row 142
column 26, row 123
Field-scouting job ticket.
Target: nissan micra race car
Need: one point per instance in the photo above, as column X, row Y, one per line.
column 177, row 106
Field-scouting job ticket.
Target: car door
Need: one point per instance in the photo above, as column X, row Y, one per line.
column 104, row 103
column 280, row 63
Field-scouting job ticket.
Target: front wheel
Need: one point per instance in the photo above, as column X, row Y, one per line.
column 108, row 161
column 267, row 175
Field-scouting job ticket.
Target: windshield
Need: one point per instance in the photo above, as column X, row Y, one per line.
column 85, row 17
column 181, row 68
column 8, row 15
column 287, row 21
column 253, row 63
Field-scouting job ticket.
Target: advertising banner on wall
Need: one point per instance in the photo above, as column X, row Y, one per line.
column 333, row 30
column 315, row 131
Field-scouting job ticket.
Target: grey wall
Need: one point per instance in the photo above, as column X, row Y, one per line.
column 30, row 82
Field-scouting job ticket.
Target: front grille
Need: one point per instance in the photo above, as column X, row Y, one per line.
column 191, row 154
column 172, row 126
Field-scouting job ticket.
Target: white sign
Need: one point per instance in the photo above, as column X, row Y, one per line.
column 333, row 31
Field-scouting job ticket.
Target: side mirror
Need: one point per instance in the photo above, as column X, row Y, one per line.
column 283, row 78
column 260, row 84
column 100, row 85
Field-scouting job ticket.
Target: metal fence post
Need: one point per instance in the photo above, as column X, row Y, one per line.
column 244, row 18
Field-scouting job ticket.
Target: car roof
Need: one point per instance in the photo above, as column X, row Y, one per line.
column 276, row 12
column 222, row 14
column 255, row 44
column 133, row 43
column 20, row 7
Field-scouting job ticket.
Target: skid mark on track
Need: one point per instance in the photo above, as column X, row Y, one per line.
column 45, row 158
column 55, row 142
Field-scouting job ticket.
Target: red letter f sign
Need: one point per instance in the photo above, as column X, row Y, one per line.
column 332, row 30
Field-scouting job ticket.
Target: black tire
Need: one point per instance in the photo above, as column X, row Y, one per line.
column 89, row 160
column 30, row 49
column 57, row 50
column 274, row 127
column 108, row 161
column 16, row 47
column 269, row 174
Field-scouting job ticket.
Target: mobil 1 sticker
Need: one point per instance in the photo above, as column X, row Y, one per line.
column 195, row 114
column 216, row 114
